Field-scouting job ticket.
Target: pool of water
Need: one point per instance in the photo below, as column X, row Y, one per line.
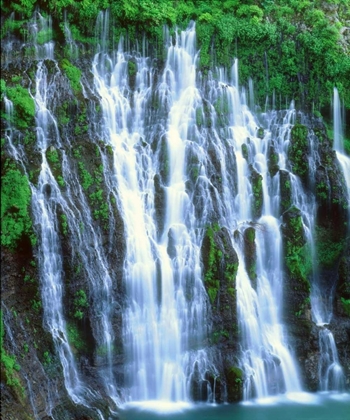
column 299, row 406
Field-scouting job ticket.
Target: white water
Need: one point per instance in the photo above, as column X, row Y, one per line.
column 45, row 197
column 331, row 373
column 343, row 159
column 159, row 321
column 267, row 362
column 165, row 321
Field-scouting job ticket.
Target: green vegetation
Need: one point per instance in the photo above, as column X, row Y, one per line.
column 298, row 150
column 15, row 200
column 80, row 304
column 73, row 74
column 75, row 337
column 257, row 202
column 328, row 248
column 297, row 252
column 23, row 104
column 64, row 224
column 294, row 49
column 250, row 254
column 9, row 365
column 218, row 266
column 86, row 178
column 346, row 305
column 211, row 276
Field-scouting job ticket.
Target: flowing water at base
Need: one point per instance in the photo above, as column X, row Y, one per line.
column 291, row 406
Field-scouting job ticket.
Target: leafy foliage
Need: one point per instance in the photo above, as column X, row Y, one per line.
column 15, row 199
column 24, row 107
column 80, row 304
column 293, row 49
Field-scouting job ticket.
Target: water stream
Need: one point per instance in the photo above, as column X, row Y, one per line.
column 178, row 153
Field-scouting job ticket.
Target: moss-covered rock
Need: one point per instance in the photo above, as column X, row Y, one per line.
column 258, row 197
column 272, row 161
column 285, row 191
column 298, row 151
column 234, row 382
column 250, row 254
column 220, row 263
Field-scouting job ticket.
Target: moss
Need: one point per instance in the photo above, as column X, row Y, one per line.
column 250, row 254
column 257, row 202
column 80, row 304
column 328, row 248
column 286, row 191
column 298, row 150
column 54, row 160
column 9, row 365
column 75, row 337
column 346, row 305
column 234, row 379
column 273, row 161
column 73, row 74
column 245, row 151
column 15, row 199
column 297, row 252
column 64, row 224
column 211, row 276
column 24, row 106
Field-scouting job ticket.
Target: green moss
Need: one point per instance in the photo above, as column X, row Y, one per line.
column 15, row 199
column 73, row 74
column 328, row 248
column 75, row 337
column 297, row 252
column 346, row 305
column 257, row 186
column 24, row 106
column 80, row 303
column 9, row 364
column 298, row 149
column 245, row 152
column 64, row 224
column 85, row 176
column 211, row 275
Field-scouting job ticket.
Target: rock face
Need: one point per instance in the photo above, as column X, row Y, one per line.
column 37, row 389
column 220, row 269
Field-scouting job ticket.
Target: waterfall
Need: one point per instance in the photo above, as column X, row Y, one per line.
column 266, row 360
column 343, row 159
column 122, row 213
column 159, row 321
column 45, row 197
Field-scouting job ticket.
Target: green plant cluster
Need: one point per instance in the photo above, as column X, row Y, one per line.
column 292, row 48
column 53, row 158
column 75, row 337
column 15, row 199
column 73, row 74
column 23, row 104
column 93, row 185
column 80, row 304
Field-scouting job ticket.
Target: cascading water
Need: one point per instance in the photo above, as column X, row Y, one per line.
column 45, row 198
column 179, row 153
column 159, row 321
column 339, row 141
column 266, row 360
